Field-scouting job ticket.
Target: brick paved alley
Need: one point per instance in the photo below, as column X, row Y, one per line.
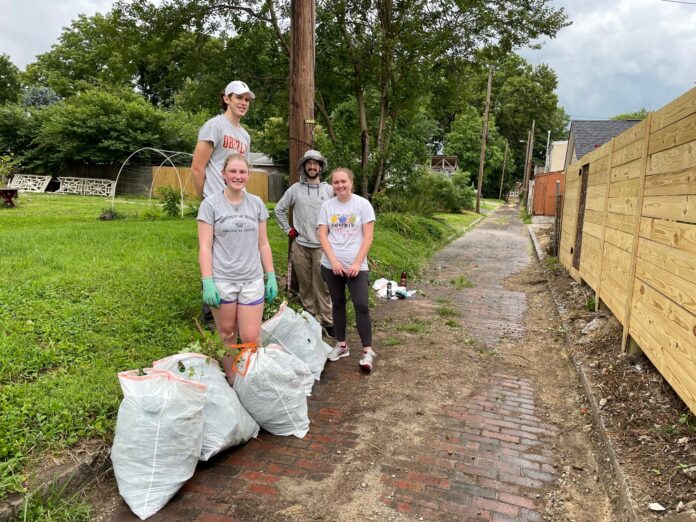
column 443, row 429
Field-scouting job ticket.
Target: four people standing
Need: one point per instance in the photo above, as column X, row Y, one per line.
column 332, row 236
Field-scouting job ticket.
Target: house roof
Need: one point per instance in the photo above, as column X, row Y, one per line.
column 590, row 134
column 259, row 159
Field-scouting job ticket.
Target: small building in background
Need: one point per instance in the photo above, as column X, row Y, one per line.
column 444, row 164
column 587, row 135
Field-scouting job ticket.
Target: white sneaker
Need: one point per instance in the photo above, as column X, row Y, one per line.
column 366, row 360
column 339, row 352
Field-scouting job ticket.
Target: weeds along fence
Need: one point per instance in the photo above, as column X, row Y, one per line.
column 629, row 232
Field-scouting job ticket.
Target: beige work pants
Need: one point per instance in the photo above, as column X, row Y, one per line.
column 313, row 291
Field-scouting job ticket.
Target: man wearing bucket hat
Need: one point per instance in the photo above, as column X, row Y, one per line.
column 305, row 199
column 219, row 137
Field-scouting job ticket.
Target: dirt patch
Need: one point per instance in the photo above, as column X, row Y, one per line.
column 651, row 429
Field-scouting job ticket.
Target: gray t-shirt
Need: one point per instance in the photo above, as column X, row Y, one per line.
column 226, row 139
column 345, row 222
column 236, row 256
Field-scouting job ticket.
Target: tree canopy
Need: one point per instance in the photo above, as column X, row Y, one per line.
column 9, row 80
column 392, row 78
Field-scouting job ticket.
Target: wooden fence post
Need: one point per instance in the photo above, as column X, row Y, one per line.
column 636, row 232
column 604, row 225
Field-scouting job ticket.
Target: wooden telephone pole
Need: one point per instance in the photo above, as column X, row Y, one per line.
column 301, row 99
column 502, row 172
column 528, row 164
column 484, row 138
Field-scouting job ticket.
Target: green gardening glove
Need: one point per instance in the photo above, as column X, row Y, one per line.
column 271, row 287
column 211, row 296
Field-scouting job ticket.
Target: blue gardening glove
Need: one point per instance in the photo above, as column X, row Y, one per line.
column 271, row 287
column 211, row 296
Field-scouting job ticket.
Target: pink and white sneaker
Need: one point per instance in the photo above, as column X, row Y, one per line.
column 366, row 359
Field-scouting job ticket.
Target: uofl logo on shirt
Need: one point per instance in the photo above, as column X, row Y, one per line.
column 230, row 142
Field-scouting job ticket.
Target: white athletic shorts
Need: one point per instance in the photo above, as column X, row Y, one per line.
column 247, row 294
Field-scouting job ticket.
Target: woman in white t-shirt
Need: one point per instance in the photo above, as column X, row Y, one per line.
column 345, row 228
column 234, row 253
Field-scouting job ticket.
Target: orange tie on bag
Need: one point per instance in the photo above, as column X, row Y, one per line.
column 244, row 349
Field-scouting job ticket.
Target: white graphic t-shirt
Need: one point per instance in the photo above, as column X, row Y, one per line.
column 345, row 222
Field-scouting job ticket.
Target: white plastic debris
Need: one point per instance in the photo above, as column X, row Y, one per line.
column 398, row 292
column 656, row 506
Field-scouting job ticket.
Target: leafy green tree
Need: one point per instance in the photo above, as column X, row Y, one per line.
column 636, row 115
column 179, row 129
column 521, row 93
column 464, row 140
column 96, row 50
column 364, row 36
column 95, row 126
column 9, row 80
column 18, row 128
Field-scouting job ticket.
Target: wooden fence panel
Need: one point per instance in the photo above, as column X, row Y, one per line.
column 167, row 176
column 667, row 335
column 639, row 236
column 678, row 133
column 679, row 235
column 626, row 171
column 671, row 183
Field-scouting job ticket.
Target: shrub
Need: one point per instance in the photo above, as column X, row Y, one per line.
column 171, row 200
column 414, row 227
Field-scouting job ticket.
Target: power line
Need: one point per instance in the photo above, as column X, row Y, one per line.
column 679, row 2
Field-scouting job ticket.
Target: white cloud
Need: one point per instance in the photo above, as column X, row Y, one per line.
column 28, row 28
column 621, row 55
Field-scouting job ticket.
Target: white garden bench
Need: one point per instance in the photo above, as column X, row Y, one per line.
column 29, row 182
column 86, row 186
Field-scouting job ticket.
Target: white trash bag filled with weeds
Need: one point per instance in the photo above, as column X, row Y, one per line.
column 299, row 334
column 271, row 391
column 225, row 421
column 158, row 439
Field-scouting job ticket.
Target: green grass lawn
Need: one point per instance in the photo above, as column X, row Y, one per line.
column 83, row 299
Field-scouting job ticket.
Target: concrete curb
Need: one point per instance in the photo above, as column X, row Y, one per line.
column 625, row 501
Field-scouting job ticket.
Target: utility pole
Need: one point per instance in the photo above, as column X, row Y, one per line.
column 484, row 139
column 528, row 164
column 502, row 172
column 301, row 98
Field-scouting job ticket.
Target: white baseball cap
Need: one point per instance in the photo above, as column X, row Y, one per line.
column 238, row 87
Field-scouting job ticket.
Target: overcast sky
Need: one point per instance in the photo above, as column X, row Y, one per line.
column 621, row 55
column 618, row 56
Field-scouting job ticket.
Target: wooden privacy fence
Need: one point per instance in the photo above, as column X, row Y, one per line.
column 167, row 176
column 629, row 231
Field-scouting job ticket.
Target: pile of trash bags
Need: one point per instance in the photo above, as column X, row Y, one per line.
column 182, row 409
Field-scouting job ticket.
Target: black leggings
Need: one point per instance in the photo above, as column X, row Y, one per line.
column 358, row 287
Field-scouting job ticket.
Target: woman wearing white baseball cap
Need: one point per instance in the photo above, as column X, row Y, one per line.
column 219, row 137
